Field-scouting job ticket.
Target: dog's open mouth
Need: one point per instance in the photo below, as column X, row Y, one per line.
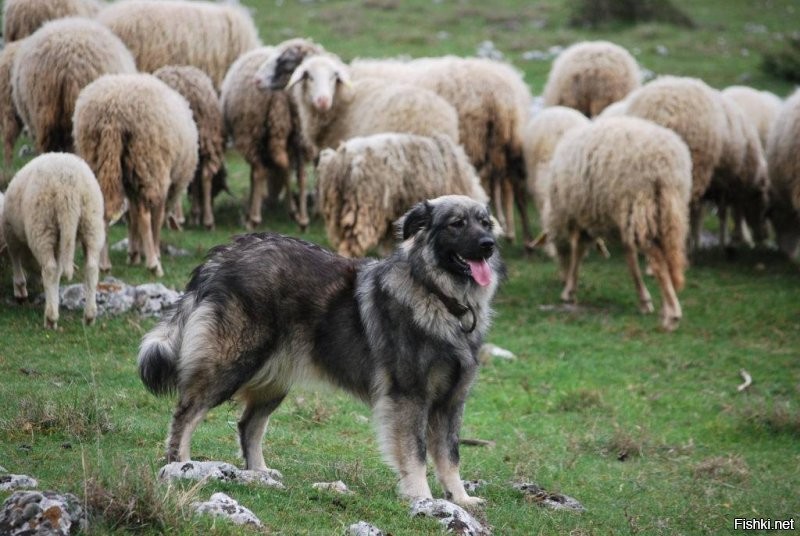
column 479, row 269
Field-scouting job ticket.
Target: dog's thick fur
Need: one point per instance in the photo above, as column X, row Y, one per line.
column 402, row 334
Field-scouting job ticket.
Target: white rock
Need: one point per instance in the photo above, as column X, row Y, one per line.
column 555, row 501
column 452, row 517
column 9, row 482
column 223, row 506
column 41, row 513
column 362, row 528
column 338, row 487
column 471, row 485
column 225, row 472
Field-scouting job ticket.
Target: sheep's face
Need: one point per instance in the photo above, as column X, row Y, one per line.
column 318, row 79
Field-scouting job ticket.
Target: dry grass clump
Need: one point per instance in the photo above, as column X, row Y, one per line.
column 80, row 417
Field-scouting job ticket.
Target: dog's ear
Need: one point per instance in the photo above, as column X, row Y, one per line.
column 415, row 219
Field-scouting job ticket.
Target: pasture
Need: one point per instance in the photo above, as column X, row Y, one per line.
column 645, row 428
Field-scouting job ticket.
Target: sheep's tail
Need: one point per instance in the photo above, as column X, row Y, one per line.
column 159, row 352
column 68, row 229
column 108, row 156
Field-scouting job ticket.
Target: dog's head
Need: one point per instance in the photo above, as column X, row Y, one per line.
column 459, row 233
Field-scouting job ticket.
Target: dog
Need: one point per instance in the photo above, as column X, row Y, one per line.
column 402, row 334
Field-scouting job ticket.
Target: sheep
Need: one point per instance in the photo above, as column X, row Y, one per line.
column 784, row 173
column 265, row 128
column 740, row 180
column 761, row 107
column 138, row 136
column 51, row 68
column 628, row 176
column 693, row 110
column 207, row 35
column 23, row 17
column 10, row 121
column 492, row 102
column 52, row 201
column 539, row 139
column 198, row 90
column 369, row 182
column 2, row 234
column 332, row 108
column 590, row 75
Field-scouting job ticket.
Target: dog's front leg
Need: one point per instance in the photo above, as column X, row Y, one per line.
column 401, row 423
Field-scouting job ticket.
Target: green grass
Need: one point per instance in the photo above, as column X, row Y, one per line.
column 645, row 428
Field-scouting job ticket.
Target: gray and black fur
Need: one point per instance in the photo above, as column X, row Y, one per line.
column 402, row 334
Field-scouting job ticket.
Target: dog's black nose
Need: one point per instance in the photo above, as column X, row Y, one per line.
column 487, row 245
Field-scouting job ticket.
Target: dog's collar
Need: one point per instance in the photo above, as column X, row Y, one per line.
column 455, row 307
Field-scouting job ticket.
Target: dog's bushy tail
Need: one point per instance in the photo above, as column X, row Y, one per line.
column 158, row 354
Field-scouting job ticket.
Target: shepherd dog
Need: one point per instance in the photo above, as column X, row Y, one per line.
column 402, row 334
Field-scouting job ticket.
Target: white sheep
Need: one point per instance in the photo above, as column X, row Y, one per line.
column 627, row 177
column 198, row 90
column 693, row 110
column 369, row 182
column 591, row 75
column 492, row 102
column 50, row 203
column 265, row 128
column 761, row 107
column 333, row 108
column 139, row 137
column 51, row 68
column 23, row 17
column 784, row 173
column 207, row 35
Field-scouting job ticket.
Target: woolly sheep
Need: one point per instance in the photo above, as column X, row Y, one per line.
column 198, row 90
column 265, row 128
column 52, row 201
column 138, row 136
column 332, row 108
column 207, row 35
column 492, row 103
column 784, row 173
column 369, row 182
column 539, row 139
column 23, row 17
column 51, row 68
column 10, row 121
column 627, row 176
column 761, row 107
column 693, row 110
column 740, row 181
column 590, row 75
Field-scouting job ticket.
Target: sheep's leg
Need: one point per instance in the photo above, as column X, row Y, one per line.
column 497, row 199
column 577, row 251
column 157, row 214
column 645, row 301
column 50, row 277
column 671, row 312
column 521, row 200
column 258, row 182
column 16, row 251
column 91, row 271
column 146, row 232
column 695, row 224
column 722, row 214
column 208, row 210
column 302, row 217
column 134, row 237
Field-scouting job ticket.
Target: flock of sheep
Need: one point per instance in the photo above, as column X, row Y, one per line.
column 146, row 93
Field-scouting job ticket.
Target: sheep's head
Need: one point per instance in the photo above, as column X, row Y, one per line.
column 274, row 73
column 318, row 79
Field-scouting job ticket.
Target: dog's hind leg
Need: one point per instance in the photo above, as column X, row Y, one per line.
column 187, row 416
column 252, row 426
column 401, row 427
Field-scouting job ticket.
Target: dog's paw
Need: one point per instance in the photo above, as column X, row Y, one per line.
column 468, row 501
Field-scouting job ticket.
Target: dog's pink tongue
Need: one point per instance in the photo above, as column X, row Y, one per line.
column 481, row 272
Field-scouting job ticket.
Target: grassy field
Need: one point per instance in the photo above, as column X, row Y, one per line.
column 646, row 429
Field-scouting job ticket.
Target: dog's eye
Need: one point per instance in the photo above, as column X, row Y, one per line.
column 487, row 224
column 458, row 224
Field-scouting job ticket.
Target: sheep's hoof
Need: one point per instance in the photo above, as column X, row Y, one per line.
column 670, row 323
column 251, row 225
column 156, row 270
column 646, row 307
column 134, row 258
column 50, row 324
column 88, row 320
column 174, row 223
column 568, row 297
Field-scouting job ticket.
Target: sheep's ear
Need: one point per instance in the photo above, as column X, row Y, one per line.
column 414, row 220
column 285, row 64
column 297, row 76
column 344, row 77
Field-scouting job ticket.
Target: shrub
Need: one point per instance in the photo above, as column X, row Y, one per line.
column 594, row 13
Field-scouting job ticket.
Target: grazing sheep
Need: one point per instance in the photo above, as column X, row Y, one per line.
column 693, row 110
column 138, row 136
column 539, row 140
column 207, row 35
column 615, row 109
column 265, row 128
column 740, row 181
column 198, row 90
column 761, row 107
column 332, row 108
column 784, row 174
column 369, row 182
column 23, row 17
column 630, row 177
column 52, row 201
column 492, row 102
column 590, row 75
column 10, row 121
column 51, row 68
